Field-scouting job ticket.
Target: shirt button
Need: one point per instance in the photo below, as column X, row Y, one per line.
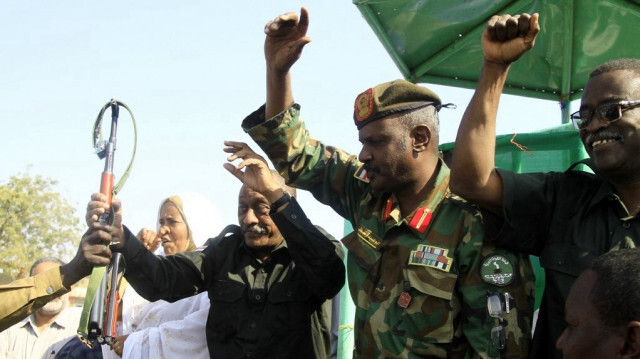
column 626, row 225
column 253, row 325
column 293, row 216
column 560, row 262
column 258, row 297
column 289, row 293
column 49, row 290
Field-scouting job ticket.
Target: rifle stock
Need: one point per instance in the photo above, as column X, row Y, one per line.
column 114, row 275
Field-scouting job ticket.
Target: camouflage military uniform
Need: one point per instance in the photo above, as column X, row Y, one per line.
column 417, row 282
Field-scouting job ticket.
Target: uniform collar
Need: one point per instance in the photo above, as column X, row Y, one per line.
column 420, row 219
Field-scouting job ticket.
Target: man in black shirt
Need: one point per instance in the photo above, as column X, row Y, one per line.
column 266, row 278
column 566, row 218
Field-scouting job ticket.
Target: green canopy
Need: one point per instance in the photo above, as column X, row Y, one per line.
column 438, row 42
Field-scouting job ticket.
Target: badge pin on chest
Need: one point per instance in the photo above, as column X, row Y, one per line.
column 404, row 300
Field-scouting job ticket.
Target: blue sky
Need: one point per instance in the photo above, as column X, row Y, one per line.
column 190, row 71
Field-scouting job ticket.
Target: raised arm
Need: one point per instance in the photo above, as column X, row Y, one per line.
column 473, row 174
column 253, row 171
column 286, row 36
column 318, row 255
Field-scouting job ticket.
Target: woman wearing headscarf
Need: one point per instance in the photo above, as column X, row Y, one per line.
column 161, row 329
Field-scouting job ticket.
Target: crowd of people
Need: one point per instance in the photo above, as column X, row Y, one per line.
column 437, row 264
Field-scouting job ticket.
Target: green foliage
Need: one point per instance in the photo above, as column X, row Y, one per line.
column 35, row 222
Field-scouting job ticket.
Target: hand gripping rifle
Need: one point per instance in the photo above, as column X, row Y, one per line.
column 100, row 312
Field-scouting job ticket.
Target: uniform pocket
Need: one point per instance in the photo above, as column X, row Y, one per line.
column 290, row 305
column 225, row 310
column 432, row 282
column 429, row 315
column 226, row 291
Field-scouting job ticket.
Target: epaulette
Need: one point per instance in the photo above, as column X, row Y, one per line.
column 467, row 206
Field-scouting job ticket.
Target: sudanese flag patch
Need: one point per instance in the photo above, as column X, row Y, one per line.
column 361, row 174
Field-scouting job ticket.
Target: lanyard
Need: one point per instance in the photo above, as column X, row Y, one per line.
column 100, row 307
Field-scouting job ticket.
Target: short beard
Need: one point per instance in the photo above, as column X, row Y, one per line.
column 54, row 307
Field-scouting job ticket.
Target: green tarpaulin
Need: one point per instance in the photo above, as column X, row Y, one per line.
column 438, row 42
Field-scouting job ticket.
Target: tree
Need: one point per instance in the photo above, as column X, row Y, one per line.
column 35, row 222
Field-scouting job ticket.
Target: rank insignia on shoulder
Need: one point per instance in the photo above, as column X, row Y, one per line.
column 430, row 256
column 421, row 219
column 497, row 269
column 361, row 174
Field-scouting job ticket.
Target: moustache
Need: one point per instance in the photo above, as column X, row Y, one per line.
column 601, row 135
column 254, row 228
column 370, row 167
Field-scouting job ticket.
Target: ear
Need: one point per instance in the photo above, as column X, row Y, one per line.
column 421, row 137
column 631, row 341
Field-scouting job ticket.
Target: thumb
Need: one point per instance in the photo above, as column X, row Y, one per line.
column 234, row 171
column 296, row 48
column 303, row 23
column 116, row 206
column 534, row 29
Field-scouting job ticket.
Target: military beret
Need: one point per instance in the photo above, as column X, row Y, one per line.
column 390, row 98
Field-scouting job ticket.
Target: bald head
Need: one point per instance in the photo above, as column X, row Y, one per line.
column 632, row 65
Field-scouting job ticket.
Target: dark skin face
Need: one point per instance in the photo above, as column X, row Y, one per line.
column 387, row 154
column 399, row 160
column 585, row 335
column 260, row 233
column 614, row 147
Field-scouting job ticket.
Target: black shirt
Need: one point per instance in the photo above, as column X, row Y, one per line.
column 259, row 309
column 568, row 219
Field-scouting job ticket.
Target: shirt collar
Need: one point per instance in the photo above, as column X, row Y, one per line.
column 67, row 318
column 421, row 217
column 604, row 193
column 62, row 321
column 29, row 321
column 244, row 247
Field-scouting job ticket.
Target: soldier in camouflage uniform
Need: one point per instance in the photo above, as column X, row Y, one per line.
column 423, row 282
